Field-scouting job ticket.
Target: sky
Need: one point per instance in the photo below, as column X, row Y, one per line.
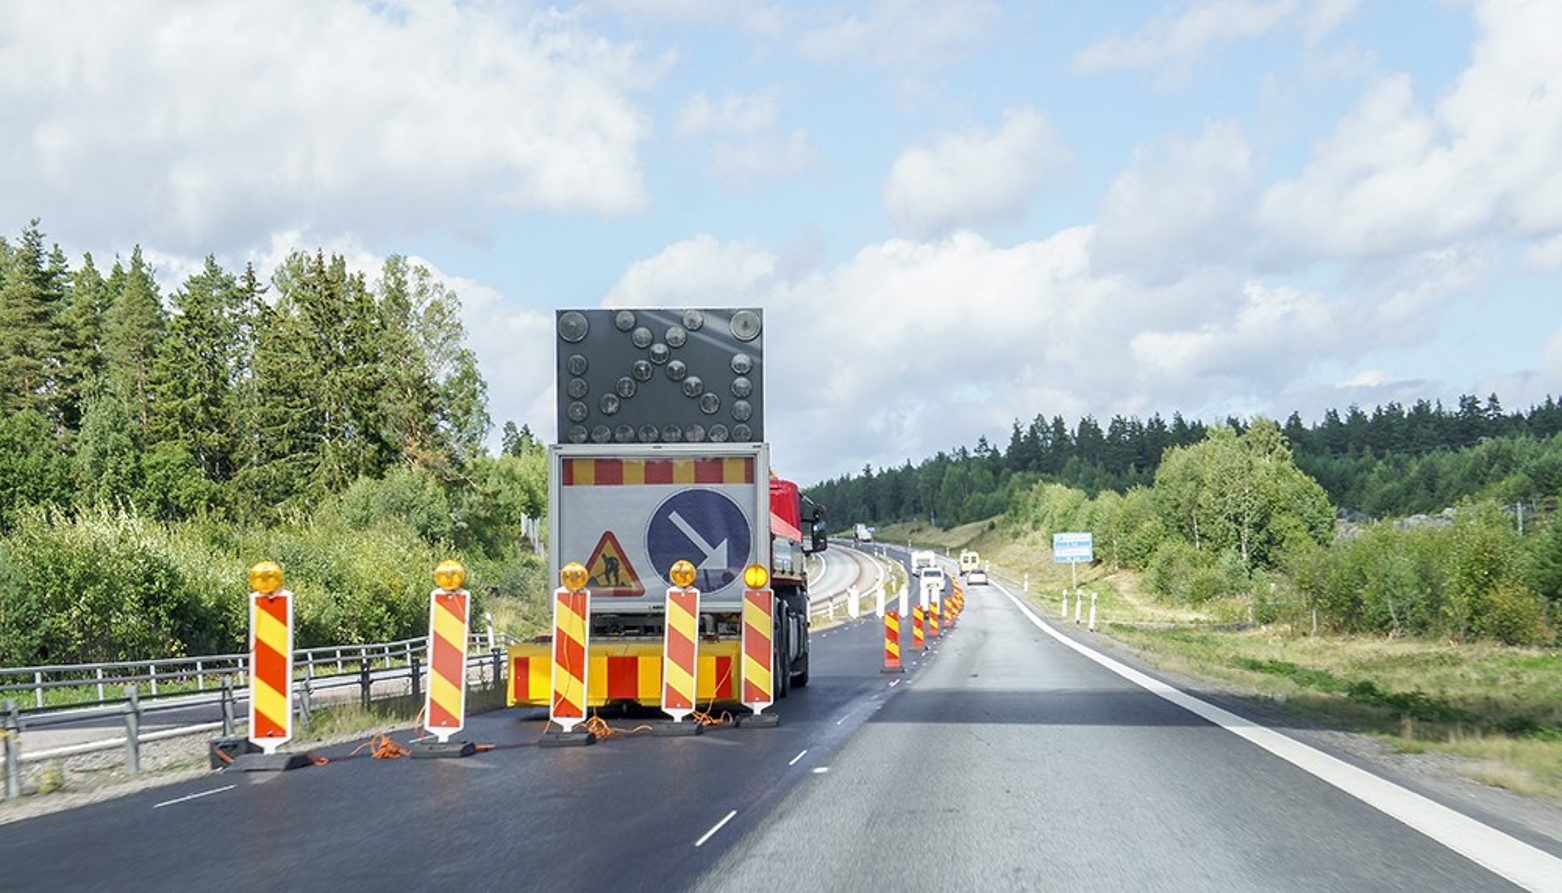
column 955, row 214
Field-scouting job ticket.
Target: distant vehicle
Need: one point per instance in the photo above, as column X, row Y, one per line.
column 969, row 561
column 931, row 577
column 976, row 577
column 863, row 534
column 922, row 558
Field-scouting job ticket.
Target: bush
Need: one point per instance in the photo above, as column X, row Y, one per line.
column 1514, row 614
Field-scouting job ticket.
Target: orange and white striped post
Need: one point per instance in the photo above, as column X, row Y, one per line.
column 571, row 632
column 444, row 707
column 892, row 643
column 681, row 643
column 758, row 645
column 917, row 640
column 270, row 658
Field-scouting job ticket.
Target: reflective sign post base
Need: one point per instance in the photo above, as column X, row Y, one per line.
column 422, row 750
column 670, row 729
column 559, row 738
column 270, row 762
column 758, row 721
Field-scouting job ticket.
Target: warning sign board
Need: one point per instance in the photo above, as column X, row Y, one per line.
column 610, row 570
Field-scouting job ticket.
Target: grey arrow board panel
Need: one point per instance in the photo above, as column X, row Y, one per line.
column 661, row 376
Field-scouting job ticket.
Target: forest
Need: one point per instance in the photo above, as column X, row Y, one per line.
column 153, row 446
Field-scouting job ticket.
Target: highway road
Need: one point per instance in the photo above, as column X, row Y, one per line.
column 1004, row 758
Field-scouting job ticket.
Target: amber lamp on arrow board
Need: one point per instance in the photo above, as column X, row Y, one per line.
column 682, row 574
column 755, row 576
column 574, row 576
column 449, row 575
column 265, row 577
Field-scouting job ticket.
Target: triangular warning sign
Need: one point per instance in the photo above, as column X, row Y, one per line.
column 610, row 570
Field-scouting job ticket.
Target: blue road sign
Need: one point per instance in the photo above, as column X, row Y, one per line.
column 705, row 527
column 1073, row 548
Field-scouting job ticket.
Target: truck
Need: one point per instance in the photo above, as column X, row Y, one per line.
column 921, row 558
column 971, row 567
column 630, row 504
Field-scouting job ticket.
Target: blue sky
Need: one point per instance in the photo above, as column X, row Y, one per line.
column 956, row 214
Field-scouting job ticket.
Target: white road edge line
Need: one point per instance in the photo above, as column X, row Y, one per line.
column 799, row 756
column 194, row 796
column 1527, row 866
column 701, row 841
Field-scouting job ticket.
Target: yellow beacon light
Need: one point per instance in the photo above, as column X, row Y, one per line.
column 574, row 576
column 682, row 574
column 755, row 576
column 265, row 577
column 449, row 575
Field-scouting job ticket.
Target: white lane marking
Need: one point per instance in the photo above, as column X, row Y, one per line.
column 820, row 770
column 894, row 682
column 1527, row 866
column 194, row 796
column 798, row 757
column 701, row 841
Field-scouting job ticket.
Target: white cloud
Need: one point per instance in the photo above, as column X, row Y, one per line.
column 1178, row 42
column 973, row 178
column 1180, row 206
column 903, row 34
column 204, row 126
column 732, row 114
column 1395, row 177
column 1544, row 255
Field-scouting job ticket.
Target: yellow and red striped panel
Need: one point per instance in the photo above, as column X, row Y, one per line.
column 444, row 709
column 758, row 681
column 615, row 472
column 932, row 619
column 680, row 652
column 271, row 668
column 622, row 672
column 917, row 639
column 891, row 640
column 567, row 702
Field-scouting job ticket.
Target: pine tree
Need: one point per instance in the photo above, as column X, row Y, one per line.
column 132, row 329
column 31, row 292
column 81, row 344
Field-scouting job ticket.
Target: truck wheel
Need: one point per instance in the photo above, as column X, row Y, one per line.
column 782, row 676
column 800, row 677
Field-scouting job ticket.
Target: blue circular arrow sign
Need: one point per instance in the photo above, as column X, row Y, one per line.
column 705, row 527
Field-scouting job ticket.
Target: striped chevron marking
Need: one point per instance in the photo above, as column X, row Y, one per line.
column 681, row 652
column 271, row 661
column 568, row 702
column 891, row 639
column 445, row 707
column 758, row 690
column 615, row 472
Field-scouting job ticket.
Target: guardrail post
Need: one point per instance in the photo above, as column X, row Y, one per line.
column 100, row 685
column 498, row 668
column 152, row 671
column 227, row 707
column 364, row 680
column 200, row 676
column 132, row 710
column 417, row 680
column 38, row 687
column 303, row 703
column 10, row 726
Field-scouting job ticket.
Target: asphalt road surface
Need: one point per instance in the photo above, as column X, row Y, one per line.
column 1003, row 759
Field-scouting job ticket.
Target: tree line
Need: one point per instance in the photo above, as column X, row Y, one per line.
column 154, row 443
column 1390, row 461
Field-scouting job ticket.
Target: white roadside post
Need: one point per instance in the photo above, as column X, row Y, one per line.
column 1093, row 612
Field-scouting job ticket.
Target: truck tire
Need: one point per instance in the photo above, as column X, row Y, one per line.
column 782, row 676
column 800, row 677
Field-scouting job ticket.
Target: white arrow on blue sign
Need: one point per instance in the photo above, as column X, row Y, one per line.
column 1073, row 548
column 705, row 527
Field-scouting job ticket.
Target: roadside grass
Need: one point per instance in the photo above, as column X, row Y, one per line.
column 1497, row 707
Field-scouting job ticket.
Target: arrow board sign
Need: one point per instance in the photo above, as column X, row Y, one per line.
column 705, row 527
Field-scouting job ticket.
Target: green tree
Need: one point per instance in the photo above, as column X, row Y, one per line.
column 133, row 328
column 33, row 472
column 31, row 293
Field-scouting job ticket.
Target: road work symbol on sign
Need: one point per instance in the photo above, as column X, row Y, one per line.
column 610, row 572
column 705, row 527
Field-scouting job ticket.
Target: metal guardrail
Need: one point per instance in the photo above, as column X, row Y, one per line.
column 826, row 607
column 187, row 678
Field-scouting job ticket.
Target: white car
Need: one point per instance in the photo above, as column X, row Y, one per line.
column 976, row 577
